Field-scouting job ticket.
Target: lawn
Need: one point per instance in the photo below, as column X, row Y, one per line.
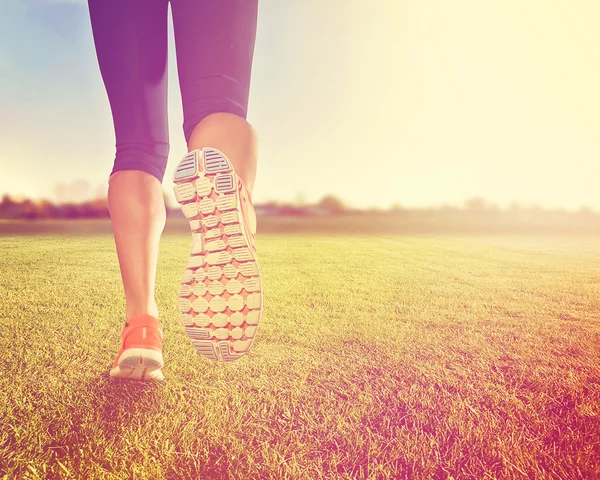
column 464, row 357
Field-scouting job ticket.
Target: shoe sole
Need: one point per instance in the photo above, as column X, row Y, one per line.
column 139, row 364
column 220, row 297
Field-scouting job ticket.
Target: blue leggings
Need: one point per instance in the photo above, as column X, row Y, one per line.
column 214, row 41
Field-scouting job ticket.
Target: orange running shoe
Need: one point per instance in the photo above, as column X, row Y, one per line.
column 140, row 357
column 220, row 298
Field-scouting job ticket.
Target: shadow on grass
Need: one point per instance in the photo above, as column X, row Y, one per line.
column 94, row 415
column 119, row 400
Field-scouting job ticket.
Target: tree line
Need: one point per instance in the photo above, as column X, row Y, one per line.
column 477, row 207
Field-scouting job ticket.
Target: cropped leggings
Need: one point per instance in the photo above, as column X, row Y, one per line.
column 214, row 41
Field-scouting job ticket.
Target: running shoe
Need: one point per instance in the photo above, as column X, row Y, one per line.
column 220, row 297
column 140, row 357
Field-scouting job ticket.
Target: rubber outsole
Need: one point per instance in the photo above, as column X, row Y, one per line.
column 220, row 297
column 139, row 364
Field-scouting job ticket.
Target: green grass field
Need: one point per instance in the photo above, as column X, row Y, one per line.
column 421, row 357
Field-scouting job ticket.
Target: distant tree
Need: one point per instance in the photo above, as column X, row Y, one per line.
column 446, row 208
column 45, row 209
column 374, row 210
column 397, row 208
column 332, row 205
column 27, row 209
column 290, row 209
column 476, row 204
column 68, row 210
column 7, row 207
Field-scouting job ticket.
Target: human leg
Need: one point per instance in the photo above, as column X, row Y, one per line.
column 221, row 294
column 215, row 49
column 131, row 44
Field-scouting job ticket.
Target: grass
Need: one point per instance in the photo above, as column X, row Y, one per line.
column 377, row 357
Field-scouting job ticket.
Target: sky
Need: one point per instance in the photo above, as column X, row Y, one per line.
column 414, row 102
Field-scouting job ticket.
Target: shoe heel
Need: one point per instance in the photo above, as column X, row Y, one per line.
column 139, row 364
column 142, row 357
column 188, row 167
column 215, row 161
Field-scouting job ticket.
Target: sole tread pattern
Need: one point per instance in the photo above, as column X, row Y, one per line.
column 139, row 364
column 220, row 296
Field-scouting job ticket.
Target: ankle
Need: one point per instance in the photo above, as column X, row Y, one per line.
column 138, row 310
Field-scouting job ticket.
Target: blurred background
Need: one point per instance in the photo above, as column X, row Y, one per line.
column 403, row 115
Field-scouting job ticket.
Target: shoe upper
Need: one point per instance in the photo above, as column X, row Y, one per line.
column 248, row 213
column 143, row 331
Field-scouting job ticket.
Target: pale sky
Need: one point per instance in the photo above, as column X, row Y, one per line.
column 415, row 102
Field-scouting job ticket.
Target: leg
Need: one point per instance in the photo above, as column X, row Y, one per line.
column 215, row 47
column 131, row 44
column 138, row 216
column 220, row 298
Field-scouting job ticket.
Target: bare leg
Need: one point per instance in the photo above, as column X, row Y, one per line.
column 138, row 216
column 232, row 135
